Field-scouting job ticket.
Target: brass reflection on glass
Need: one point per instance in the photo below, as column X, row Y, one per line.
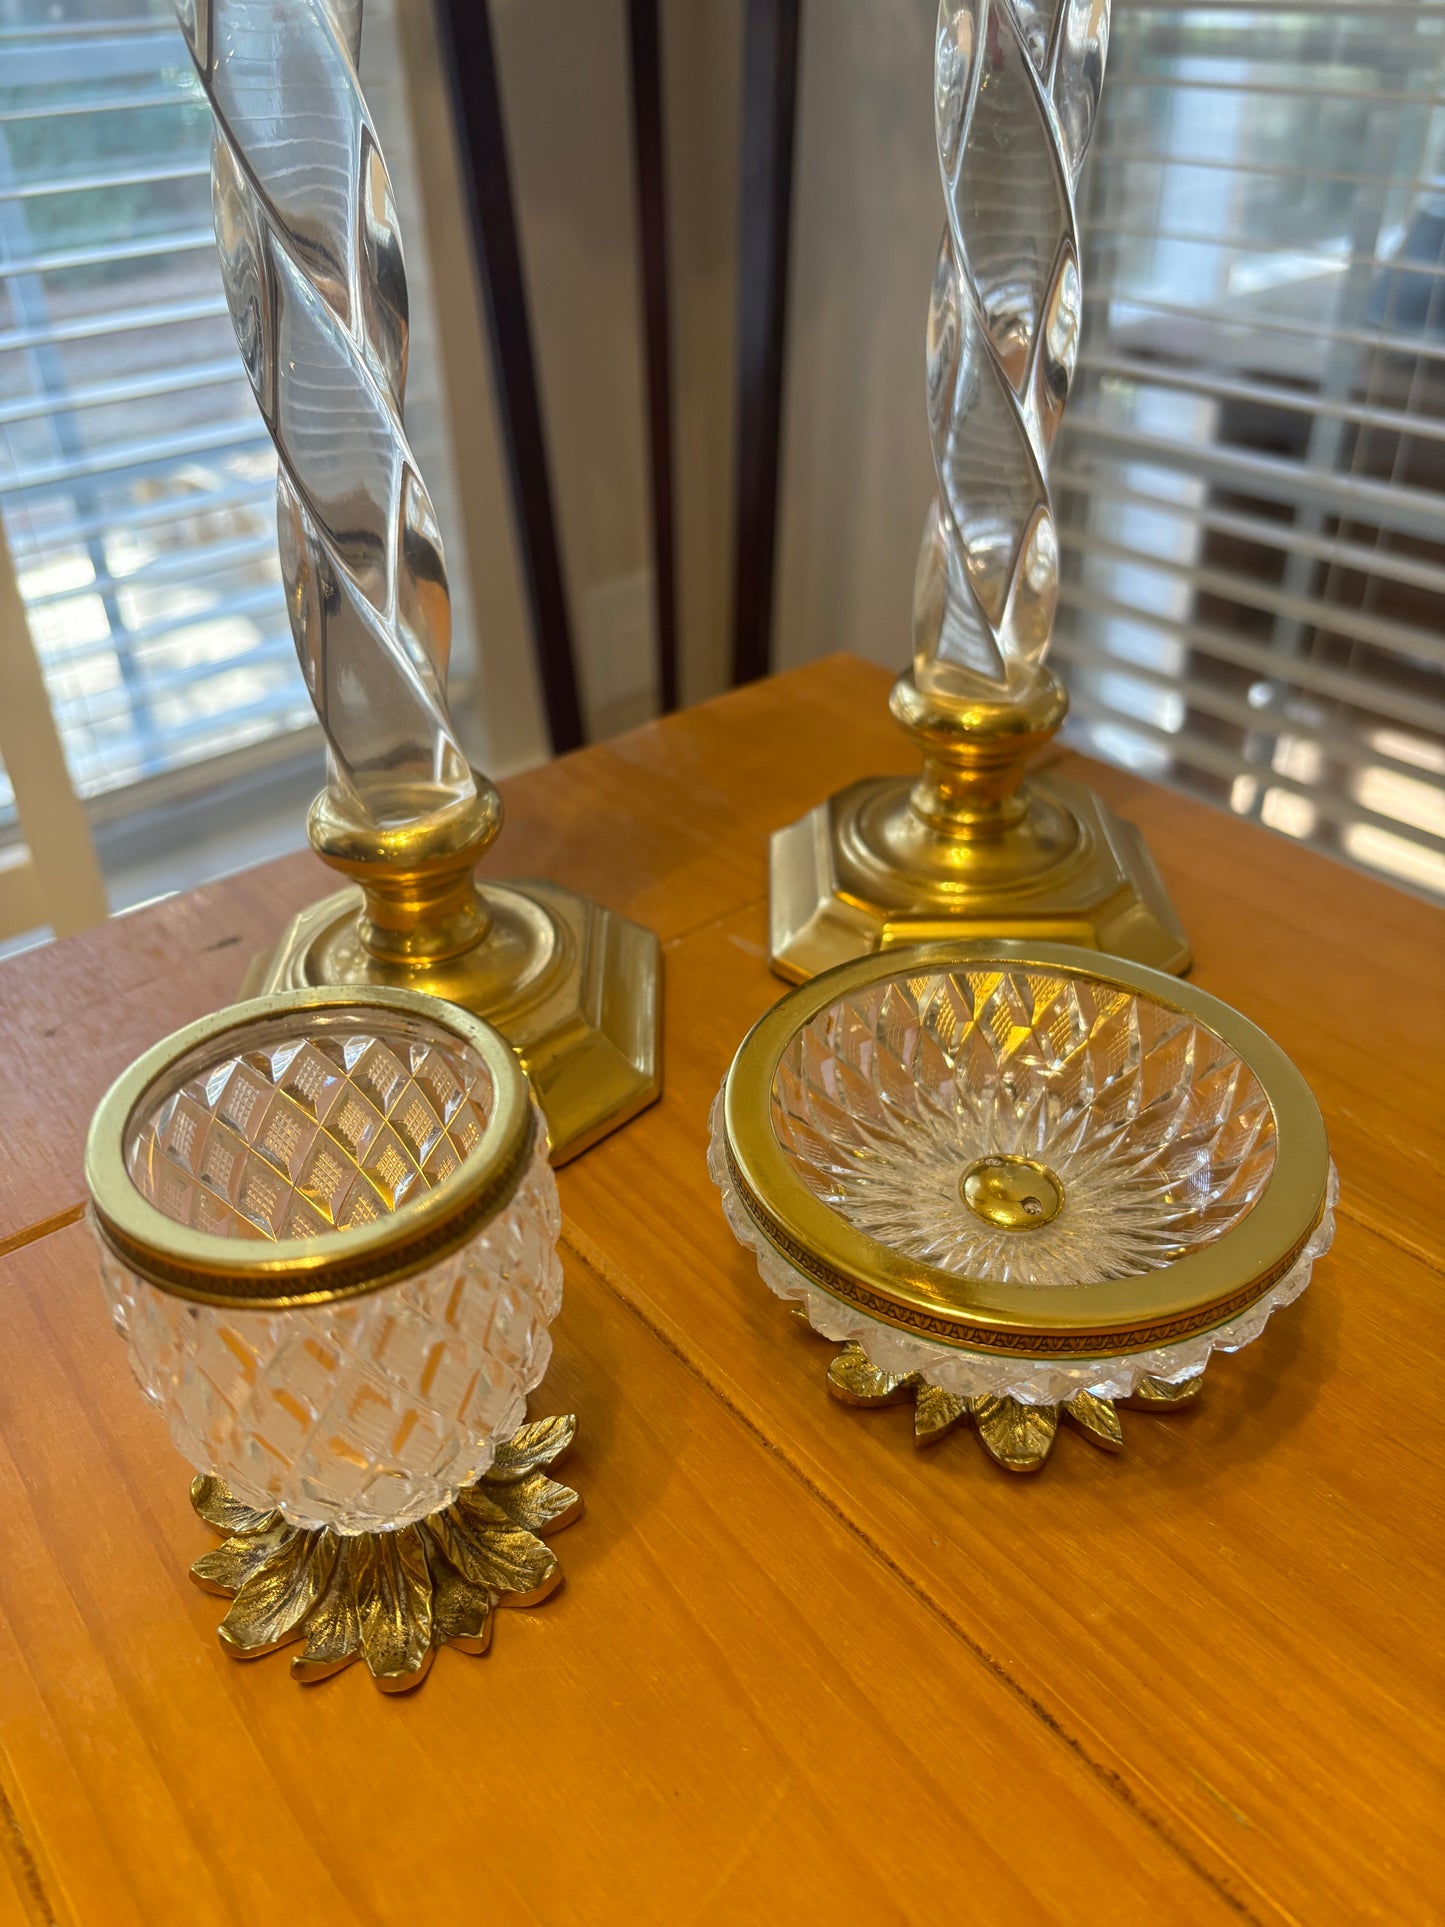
column 1021, row 1184
column 328, row 1235
column 311, row 260
column 970, row 849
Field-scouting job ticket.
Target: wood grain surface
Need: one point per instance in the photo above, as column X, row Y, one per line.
column 799, row 1668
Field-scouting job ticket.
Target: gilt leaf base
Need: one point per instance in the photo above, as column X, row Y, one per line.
column 391, row 1598
column 1016, row 1436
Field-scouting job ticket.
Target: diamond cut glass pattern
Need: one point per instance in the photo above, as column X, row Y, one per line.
column 373, row 1412
column 328, row 1128
column 1159, row 1136
column 1019, row 1128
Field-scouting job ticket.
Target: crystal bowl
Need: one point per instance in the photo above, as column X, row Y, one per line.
column 328, row 1234
column 1018, row 1172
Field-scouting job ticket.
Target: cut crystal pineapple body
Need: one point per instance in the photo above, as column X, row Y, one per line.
column 372, row 1412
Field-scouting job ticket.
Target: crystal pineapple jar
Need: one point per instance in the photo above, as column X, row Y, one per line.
column 328, row 1233
column 1024, row 1179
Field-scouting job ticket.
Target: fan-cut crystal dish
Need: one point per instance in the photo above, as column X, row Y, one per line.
column 328, row 1234
column 1022, row 1171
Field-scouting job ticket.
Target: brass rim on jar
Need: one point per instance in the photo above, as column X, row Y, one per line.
column 1196, row 1293
column 265, row 1275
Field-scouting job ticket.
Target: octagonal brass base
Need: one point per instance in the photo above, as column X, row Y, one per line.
column 574, row 988
column 967, row 850
column 835, row 894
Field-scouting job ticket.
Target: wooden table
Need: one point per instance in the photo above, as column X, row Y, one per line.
column 798, row 1670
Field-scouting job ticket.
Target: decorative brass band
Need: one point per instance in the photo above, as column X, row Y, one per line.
column 1196, row 1293
column 266, row 1275
column 957, row 1331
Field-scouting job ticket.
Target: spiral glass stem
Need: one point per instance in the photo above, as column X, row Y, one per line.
column 1017, row 85
column 312, row 264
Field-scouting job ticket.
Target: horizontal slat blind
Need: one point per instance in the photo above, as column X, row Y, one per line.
column 1251, row 474
column 137, row 482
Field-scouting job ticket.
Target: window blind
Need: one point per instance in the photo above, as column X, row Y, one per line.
column 1251, row 474
column 137, row 483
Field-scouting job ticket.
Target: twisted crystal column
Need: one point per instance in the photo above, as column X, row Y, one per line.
column 1017, row 86
column 312, row 264
column 971, row 849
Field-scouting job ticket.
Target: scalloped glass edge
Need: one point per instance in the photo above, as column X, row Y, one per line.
column 971, row 1374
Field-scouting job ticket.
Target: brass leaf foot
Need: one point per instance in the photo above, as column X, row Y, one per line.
column 855, row 1380
column 936, row 1412
column 1019, row 1437
column 1098, row 1420
column 391, row 1598
column 1016, row 1436
column 1153, row 1395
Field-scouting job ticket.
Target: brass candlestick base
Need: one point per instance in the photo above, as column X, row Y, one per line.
column 575, row 989
column 969, row 850
column 391, row 1598
column 1016, row 1436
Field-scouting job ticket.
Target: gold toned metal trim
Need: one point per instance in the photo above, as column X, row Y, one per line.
column 1011, row 1192
column 265, row 1275
column 575, row 989
column 1016, row 1436
column 968, row 852
column 1196, row 1293
column 391, row 1598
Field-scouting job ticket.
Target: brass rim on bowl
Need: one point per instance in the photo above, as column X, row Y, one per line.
column 1196, row 1293
column 266, row 1275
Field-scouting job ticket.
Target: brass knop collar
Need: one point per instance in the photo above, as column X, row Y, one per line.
column 421, row 905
